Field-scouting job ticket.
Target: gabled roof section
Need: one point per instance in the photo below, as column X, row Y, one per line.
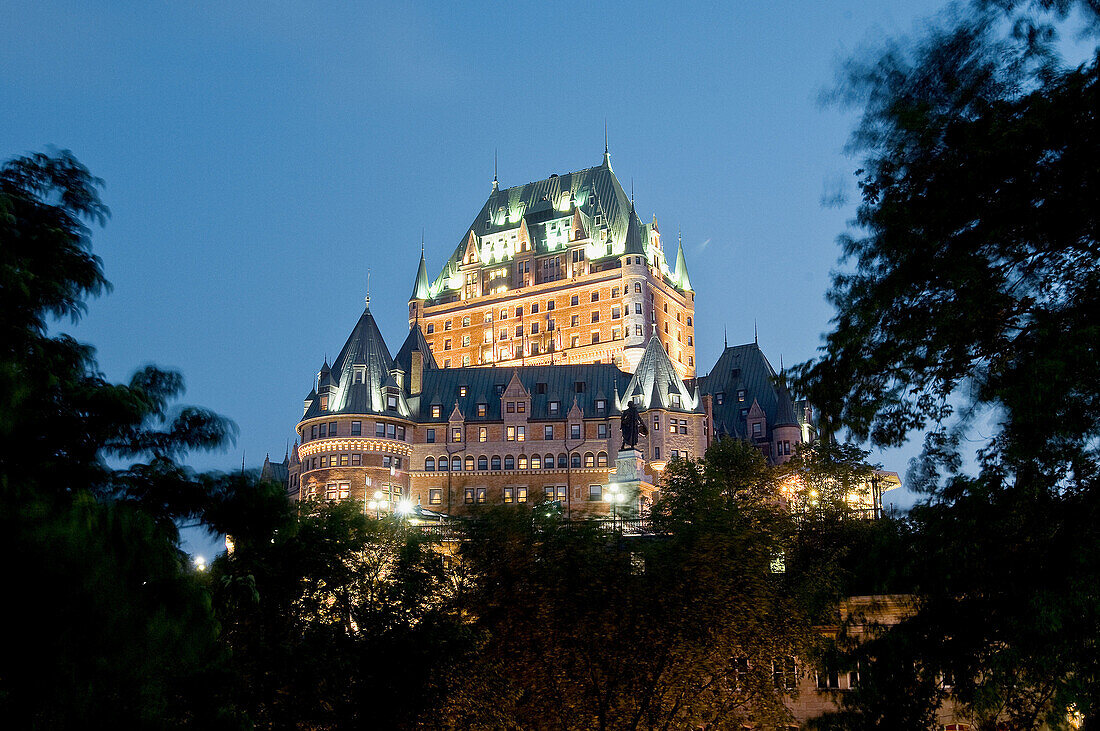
column 420, row 284
column 542, row 206
column 655, row 381
column 414, row 342
column 744, row 367
column 361, row 375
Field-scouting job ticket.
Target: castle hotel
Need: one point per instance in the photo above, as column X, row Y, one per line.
column 557, row 308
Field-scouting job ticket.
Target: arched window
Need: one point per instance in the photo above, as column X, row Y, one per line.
column 589, row 459
column 429, row 464
column 470, row 464
column 536, row 462
column 601, row 459
column 483, row 463
column 509, row 462
column 575, row 460
column 456, row 464
column 563, row 461
column 523, row 461
column 496, row 461
column 443, row 464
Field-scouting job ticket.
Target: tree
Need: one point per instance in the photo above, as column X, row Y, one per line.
column 109, row 624
column 829, row 478
column 970, row 294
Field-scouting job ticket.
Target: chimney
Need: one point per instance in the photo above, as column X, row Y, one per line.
column 416, row 378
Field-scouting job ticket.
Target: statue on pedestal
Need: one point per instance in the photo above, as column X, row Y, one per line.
column 632, row 425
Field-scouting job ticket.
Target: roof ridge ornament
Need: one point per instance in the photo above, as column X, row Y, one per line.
column 496, row 185
column 606, row 152
column 366, row 299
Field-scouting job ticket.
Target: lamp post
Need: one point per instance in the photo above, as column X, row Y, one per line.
column 613, row 496
column 377, row 503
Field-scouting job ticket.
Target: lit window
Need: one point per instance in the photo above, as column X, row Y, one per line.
column 522, row 462
column 436, row 411
column 511, row 434
column 521, row 433
column 509, row 494
column 482, row 434
column 461, row 390
column 447, row 344
column 553, row 407
column 465, row 322
column 435, row 496
column 456, row 434
column 521, row 494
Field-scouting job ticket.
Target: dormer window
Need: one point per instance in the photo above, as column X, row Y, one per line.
column 740, row 394
column 391, row 403
column 553, row 407
column 360, row 374
column 324, row 403
column 461, row 390
column 436, row 411
column 675, row 400
column 601, row 405
column 720, row 398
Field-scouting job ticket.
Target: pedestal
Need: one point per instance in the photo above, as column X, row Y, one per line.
column 631, row 480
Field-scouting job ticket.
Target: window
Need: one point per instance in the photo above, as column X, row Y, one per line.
column 536, row 462
column 443, row 464
column 553, row 407
column 601, row 405
column 509, row 462
column 324, row 461
column 534, row 308
column 601, row 459
column 563, row 461
column 616, row 313
column 828, row 677
column 549, row 305
column 356, row 428
column 435, row 496
column 489, row 316
column 456, row 434
column 575, row 461
column 757, row 429
column 656, row 423
column 521, row 494
column 447, row 344
column 437, row 411
column 540, row 387
column 461, row 390
column 595, row 337
column 522, row 462
column 429, row 436
column 638, row 287
column 510, row 433
column 596, row 296
column 496, row 462
column 595, row 316
column 465, row 322
column 429, row 464
column 480, row 493
column 534, row 328
column 785, row 673
column 391, row 431
column 324, row 430
column 456, row 464
column 614, row 293
column 504, row 313
column 324, row 403
column 446, row 362
column 356, row 459
column 521, row 407
column 482, row 409
column 343, row 460
column 573, row 341
column 675, row 399
column 483, row 434
column 519, row 312
column 720, row 398
column 740, row 394
column 574, row 300
column 589, row 459
column 465, row 360
column 548, row 432
column 483, row 463
column 521, row 433
column 509, row 494
column 469, row 496
column 387, row 460
column 574, row 431
column 575, row 320
column 595, row 492
column 431, row 328
column 601, row 431
column 391, row 403
column 656, row 453
column 519, row 331
column 313, row 432
column 548, row 491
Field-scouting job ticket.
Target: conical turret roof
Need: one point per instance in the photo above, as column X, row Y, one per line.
column 682, row 280
column 420, row 285
column 415, row 342
column 656, row 381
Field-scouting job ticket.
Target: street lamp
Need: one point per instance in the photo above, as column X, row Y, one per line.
column 376, row 504
column 613, row 496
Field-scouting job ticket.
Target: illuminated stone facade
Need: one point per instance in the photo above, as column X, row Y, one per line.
column 559, row 271
column 556, row 310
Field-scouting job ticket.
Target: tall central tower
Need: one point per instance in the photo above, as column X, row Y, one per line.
column 559, row 270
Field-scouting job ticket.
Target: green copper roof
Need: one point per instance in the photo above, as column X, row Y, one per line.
column 420, row 285
column 681, row 273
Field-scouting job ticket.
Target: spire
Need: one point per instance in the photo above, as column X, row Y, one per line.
column 633, row 243
column 606, row 152
column 632, row 193
column 367, row 298
column 755, row 333
column 681, row 267
column 420, row 284
column 725, row 338
column 496, row 186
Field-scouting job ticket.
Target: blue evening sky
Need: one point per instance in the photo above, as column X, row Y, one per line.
column 260, row 156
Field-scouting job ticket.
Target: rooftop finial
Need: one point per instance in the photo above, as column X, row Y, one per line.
column 496, row 185
column 725, row 338
column 421, row 242
column 632, row 191
column 755, row 333
column 606, row 151
column 367, row 298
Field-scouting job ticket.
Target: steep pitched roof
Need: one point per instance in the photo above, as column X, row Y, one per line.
column 655, row 380
column 365, row 352
column 545, row 384
column 415, row 341
column 681, row 271
column 537, row 204
column 420, row 284
column 744, row 367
